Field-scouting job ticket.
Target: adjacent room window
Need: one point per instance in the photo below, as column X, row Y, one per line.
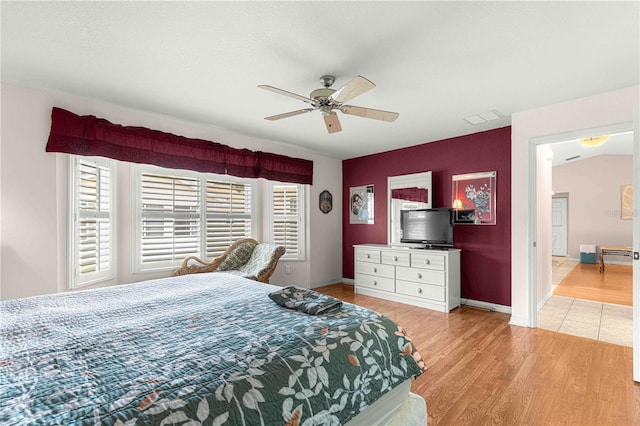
column 92, row 233
column 287, row 218
column 181, row 213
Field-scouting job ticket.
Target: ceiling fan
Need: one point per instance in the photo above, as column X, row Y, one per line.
column 328, row 100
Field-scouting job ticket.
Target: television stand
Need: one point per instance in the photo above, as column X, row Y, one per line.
column 428, row 277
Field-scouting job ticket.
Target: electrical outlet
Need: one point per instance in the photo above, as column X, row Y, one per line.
column 287, row 268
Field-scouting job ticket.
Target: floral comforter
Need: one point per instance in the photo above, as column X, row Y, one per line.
column 207, row 349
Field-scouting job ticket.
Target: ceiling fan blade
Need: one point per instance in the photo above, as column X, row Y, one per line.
column 284, row 92
column 288, row 114
column 376, row 114
column 353, row 88
column 332, row 123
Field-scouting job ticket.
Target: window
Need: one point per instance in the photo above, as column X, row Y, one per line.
column 287, row 219
column 92, row 230
column 180, row 213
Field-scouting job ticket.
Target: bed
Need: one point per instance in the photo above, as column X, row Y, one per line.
column 207, row 348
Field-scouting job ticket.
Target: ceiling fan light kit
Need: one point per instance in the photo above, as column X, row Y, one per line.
column 328, row 100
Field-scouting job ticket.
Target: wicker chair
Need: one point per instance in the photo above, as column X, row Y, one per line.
column 246, row 258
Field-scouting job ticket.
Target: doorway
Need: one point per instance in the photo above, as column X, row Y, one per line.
column 575, row 315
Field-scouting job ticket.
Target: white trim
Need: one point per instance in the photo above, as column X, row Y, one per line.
column 349, row 281
column 326, row 283
column 534, row 143
column 71, row 264
column 636, row 244
column 302, row 226
column 519, row 321
column 545, row 299
column 494, row 307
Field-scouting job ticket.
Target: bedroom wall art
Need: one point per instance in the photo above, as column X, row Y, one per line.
column 361, row 205
column 626, row 202
column 474, row 198
column 325, row 202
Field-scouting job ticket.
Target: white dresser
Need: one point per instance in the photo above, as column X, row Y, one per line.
column 427, row 278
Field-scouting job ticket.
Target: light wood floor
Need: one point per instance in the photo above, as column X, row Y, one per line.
column 483, row 371
column 586, row 282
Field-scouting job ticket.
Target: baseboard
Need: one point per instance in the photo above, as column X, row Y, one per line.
column 349, row 281
column 519, row 321
column 325, row 283
column 545, row 299
column 486, row 305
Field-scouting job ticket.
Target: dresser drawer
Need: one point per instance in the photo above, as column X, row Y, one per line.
column 367, row 255
column 376, row 269
column 426, row 276
column 371, row 281
column 424, row 291
column 428, row 261
column 396, row 258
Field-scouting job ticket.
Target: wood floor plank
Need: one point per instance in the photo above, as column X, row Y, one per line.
column 483, row 371
column 585, row 281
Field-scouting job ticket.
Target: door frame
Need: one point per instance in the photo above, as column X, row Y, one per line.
column 534, row 144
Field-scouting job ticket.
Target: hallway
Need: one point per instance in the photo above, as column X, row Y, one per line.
column 606, row 322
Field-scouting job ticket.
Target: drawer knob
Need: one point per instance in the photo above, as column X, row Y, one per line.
column 368, row 256
column 419, row 290
column 375, row 269
column 419, row 275
column 427, row 261
column 395, row 258
column 375, row 283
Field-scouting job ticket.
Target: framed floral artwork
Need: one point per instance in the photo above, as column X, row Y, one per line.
column 474, row 198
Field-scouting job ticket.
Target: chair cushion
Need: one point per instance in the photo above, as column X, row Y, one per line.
column 237, row 257
column 262, row 259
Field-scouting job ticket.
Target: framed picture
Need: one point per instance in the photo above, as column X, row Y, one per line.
column 325, row 202
column 361, row 204
column 475, row 192
column 626, row 202
column 464, row 216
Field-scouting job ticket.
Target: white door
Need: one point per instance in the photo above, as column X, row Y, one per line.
column 559, row 227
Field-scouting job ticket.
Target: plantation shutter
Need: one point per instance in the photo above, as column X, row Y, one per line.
column 92, row 228
column 286, row 219
column 170, row 214
column 228, row 215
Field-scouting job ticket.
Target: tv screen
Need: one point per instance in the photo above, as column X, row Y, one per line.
column 431, row 227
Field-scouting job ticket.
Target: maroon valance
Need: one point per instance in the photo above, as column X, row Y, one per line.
column 414, row 194
column 91, row 136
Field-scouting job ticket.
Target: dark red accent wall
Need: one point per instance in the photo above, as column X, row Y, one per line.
column 486, row 249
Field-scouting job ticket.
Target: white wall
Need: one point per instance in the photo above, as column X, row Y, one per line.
column 33, row 195
column 573, row 116
column 593, row 185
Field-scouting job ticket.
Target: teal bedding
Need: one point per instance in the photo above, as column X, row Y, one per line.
column 207, row 349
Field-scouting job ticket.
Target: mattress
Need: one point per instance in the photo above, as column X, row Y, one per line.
column 399, row 407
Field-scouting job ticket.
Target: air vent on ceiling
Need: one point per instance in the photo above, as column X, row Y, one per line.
column 484, row 117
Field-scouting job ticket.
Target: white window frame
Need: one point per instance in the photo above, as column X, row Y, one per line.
column 300, row 217
column 75, row 280
column 137, row 266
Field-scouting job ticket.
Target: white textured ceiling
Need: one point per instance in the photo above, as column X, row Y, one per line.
column 433, row 62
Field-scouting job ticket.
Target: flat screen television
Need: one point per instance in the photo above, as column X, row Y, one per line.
column 429, row 227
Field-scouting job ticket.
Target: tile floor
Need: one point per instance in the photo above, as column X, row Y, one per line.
column 584, row 318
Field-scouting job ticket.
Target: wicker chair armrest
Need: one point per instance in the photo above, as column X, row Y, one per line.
column 199, row 266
